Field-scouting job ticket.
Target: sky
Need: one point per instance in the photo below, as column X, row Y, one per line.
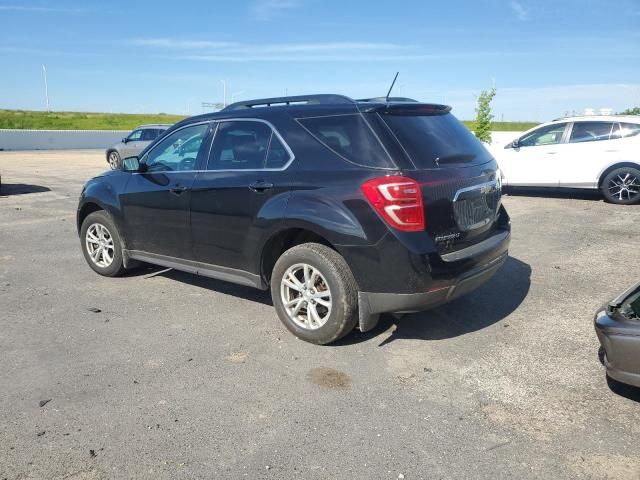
column 545, row 58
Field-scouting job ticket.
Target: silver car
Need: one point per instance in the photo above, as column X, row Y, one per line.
column 134, row 143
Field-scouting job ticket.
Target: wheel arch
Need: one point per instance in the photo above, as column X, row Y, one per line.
column 283, row 240
column 85, row 210
column 613, row 167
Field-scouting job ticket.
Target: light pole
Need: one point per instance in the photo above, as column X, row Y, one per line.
column 233, row 95
column 46, row 87
column 224, row 93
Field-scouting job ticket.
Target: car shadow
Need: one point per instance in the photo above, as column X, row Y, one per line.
column 8, row 189
column 549, row 192
column 489, row 304
column 627, row 391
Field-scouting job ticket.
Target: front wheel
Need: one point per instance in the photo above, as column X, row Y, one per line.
column 113, row 159
column 622, row 186
column 314, row 293
column 101, row 244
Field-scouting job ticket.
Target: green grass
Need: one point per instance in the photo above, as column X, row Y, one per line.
column 505, row 126
column 23, row 119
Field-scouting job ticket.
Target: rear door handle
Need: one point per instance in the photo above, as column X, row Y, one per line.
column 178, row 189
column 260, row 186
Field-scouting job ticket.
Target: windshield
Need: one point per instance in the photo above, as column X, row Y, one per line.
column 436, row 141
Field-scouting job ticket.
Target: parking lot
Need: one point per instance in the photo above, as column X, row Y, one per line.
column 161, row 374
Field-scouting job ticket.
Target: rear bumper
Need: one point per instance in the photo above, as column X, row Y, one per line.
column 414, row 302
column 621, row 342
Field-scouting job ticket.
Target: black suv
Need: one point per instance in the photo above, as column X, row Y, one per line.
column 344, row 208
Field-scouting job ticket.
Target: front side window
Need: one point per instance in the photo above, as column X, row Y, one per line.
column 548, row 135
column 590, row 131
column 246, row 145
column 135, row 135
column 178, row 151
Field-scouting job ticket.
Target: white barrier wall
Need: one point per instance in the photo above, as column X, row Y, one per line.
column 82, row 139
column 59, row 139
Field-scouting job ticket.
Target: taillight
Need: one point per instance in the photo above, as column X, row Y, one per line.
column 398, row 200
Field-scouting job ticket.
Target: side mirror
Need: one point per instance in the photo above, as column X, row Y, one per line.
column 514, row 144
column 125, row 140
column 132, row 164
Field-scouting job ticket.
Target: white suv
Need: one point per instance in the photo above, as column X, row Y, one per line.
column 596, row 152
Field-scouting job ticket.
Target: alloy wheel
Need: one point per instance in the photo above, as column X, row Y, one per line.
column 114, row 160
column 625, row 186
column 99, row 244
column 306, row 296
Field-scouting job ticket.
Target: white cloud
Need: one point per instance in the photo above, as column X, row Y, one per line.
column 33, row 9
column 265, row 10
column 180, row 44
column 521, row 12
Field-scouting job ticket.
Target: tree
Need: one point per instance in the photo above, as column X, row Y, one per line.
column 484, row 116
column 631, row 111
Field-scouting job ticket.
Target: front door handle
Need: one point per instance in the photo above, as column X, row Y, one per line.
column 260, row 186
column 178, row 189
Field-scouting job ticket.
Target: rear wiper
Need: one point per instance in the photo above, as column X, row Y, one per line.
column 456, row 158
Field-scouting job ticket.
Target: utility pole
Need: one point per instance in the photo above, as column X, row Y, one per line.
column 224, row 93
column 46, row 87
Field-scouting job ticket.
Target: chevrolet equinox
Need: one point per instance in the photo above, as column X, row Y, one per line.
column 344, row 208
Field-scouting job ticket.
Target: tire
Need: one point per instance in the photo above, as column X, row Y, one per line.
column 332, row 275
column 102, row 234
column 622, row 186
column 113, row 159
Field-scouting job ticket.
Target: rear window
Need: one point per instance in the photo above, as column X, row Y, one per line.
column 434, row 141
column 350, row 137
column 629, row 130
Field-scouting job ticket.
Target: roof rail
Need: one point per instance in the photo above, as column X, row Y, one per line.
column 385, row 100
column 323, row 99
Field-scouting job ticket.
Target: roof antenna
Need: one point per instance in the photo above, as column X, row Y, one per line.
column 392, row 84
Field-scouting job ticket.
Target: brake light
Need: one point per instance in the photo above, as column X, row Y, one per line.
column 398, row 200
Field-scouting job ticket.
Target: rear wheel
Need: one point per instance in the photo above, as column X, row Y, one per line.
column 101, row 244
column 314, row 293
column 622, row 186
column 113, row 159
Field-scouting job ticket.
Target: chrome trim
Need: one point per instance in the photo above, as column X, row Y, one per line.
column 479, row 186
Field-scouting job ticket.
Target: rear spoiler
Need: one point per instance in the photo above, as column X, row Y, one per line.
column 409, row 108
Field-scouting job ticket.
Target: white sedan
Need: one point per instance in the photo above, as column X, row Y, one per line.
column 578, row 152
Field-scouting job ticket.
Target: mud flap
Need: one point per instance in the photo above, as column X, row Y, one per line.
column 366, row 320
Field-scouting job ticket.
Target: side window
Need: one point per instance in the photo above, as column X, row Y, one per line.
column 240, row 145
column 350, row 137
column 178, row 151
column 629, row 130
column 278, row 156
column 549, row 135
column 135, row 135
column 149, row 134
column 590, row 131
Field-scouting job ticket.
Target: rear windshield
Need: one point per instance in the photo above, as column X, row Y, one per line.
column 350, row 137
column 434, row 141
